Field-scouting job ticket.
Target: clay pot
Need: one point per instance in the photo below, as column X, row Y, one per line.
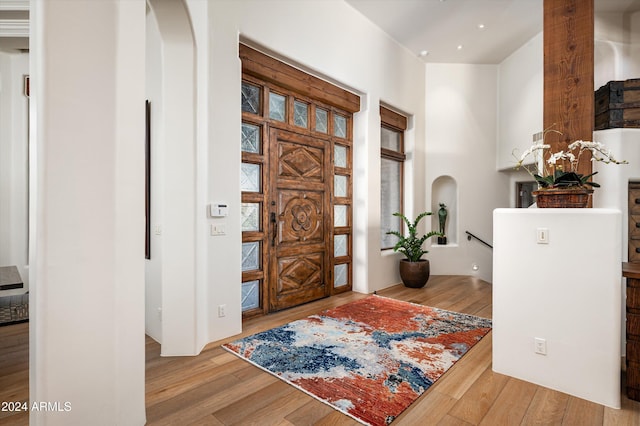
column 414, row 274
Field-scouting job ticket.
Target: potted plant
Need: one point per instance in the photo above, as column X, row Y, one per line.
column 560, row 184
column 414, row 270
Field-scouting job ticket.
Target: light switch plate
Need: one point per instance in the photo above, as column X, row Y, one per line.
column 218, row 229
column 542, row 236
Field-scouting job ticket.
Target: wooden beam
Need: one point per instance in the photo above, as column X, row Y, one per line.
column 272, row 70
column 568, row 73
column 393, row 119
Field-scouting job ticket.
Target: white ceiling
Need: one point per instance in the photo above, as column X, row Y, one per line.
column 436, row 26
column 440, row 26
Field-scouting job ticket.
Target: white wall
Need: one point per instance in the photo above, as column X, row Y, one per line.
column 617, row 47
column 199, row 18
column 87, row 180
column 153, row 266
column 461, row 134
column 520, row 109
column 571, row 301
column 14, row 170
column 520, row 101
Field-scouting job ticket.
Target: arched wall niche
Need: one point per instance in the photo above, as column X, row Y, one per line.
column 444, row 189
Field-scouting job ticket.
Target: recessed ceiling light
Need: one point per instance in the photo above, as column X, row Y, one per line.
column 424, row 53
column 481, row 26
column 459, row 47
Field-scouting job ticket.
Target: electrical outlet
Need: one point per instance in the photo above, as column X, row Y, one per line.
column 540, row 346
column 222, row 311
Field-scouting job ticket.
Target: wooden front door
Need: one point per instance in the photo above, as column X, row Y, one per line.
column 299, row 219
column 296, row 183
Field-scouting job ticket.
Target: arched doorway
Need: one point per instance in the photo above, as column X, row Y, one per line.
column 171, row 270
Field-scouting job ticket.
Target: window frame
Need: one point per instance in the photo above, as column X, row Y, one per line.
column 397, row 123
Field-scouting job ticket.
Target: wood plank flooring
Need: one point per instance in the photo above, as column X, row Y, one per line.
column 217, row 388
column 14, row 371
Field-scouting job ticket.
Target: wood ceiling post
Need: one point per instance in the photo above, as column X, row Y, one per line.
column 568, row 73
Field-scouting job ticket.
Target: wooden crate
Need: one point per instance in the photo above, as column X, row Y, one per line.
column 617, row 104
column 633, row 351
column 633, row 301
column 634, row 251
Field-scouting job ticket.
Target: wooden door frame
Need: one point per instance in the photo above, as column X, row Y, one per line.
column 270, row 74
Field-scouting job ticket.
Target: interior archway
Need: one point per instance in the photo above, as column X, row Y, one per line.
column 171, row 269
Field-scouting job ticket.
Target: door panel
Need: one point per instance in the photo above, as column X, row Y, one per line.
column 301, row 163
column 300, row 274
column 299, row 219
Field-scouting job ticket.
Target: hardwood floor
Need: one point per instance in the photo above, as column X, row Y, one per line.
column 217, row 388
column 14, row 371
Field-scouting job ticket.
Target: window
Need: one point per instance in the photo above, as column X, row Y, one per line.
column 392, row 156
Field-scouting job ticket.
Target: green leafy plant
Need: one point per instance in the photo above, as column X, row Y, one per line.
column 411, row 245
column 562, row 179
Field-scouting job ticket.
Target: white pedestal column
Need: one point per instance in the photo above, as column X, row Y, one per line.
column 566, row 293
column 87, row 211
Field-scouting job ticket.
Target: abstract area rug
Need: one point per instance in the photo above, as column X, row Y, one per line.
column 370, row 358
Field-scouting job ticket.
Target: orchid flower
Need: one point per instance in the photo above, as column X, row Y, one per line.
column 561, row 175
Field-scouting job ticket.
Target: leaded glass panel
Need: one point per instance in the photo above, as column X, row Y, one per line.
column 390, row 139
column 340, row 215
column 390, row 199
column 250, row 177
column 250, row 138
column 250, row 98
column 300, row 114
column 340, row 273
column 340, row 156
column 251, row 256
column 250, row 216
column 321, row 120
column 339, row 126
column 277, row 107
column 250, row 295
column 340, row 186
column 340, row 245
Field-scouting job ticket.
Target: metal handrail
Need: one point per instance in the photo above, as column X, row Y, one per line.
column 470, row 235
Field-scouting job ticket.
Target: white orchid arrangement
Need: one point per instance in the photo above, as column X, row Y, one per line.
column 559, row 169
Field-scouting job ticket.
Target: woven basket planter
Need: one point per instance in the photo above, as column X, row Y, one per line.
column 563, row 198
